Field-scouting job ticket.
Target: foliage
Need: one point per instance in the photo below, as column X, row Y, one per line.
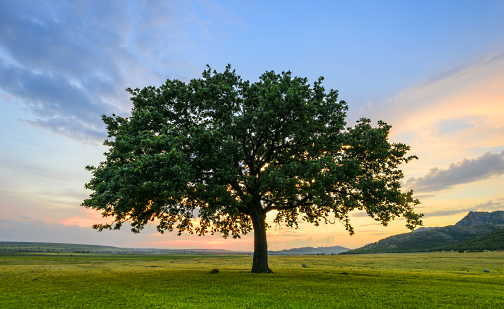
column 229, row 151
column 492, row 241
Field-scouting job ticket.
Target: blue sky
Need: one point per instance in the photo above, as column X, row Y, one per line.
column 434, row 70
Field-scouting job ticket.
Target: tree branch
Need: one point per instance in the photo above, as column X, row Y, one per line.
column 288, row 205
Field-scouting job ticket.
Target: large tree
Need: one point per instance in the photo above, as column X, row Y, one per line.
column 229, row 151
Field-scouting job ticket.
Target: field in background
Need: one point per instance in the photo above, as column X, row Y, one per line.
column 22, row 248
column 420, row 280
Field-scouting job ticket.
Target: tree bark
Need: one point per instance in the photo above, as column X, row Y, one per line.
column 260, row 260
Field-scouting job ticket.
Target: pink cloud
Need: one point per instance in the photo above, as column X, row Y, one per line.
column 469, row 91
column 91, row 217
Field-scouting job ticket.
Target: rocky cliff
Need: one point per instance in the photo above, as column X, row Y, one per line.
column 473, row 218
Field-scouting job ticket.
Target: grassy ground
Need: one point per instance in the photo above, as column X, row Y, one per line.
column 423, row 280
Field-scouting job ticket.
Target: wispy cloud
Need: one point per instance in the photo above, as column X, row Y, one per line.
column 70, row 61
column 457, row 114
column 464, row 91
column 465, row 171
column 424, row 196
column 361, row 214
column 25, row 218
column 92, row 217
column 488, row 206
column 51, row 61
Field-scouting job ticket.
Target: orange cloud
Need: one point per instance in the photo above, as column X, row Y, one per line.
column 456, row 117
column 458, row 114
column 92, row 217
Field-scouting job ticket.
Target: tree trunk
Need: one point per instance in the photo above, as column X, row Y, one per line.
column 260, row 261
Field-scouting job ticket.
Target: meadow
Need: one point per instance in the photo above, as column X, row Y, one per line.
column 419, row 280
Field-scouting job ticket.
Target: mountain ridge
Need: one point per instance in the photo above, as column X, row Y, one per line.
column 310, row 251
column 473, row 226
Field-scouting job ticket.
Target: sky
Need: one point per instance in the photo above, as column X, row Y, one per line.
column 434, row 70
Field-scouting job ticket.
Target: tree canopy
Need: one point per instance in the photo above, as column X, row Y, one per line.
column 228, row 151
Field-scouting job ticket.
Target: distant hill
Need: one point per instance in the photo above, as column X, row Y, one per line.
column 472, row 227
column 310, row 251
column 16, row 247
column 45, row 247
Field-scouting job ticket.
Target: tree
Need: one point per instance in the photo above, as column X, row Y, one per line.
column 229, row 151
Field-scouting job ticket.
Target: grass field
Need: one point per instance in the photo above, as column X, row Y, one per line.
column 421, row 280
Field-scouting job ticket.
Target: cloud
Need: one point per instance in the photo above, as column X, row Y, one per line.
column 470, row 89
column 58, row 104
column 424, row 196
column 488, row 206
column 52, row 62
column 93, row 217
column 361, row 214
column 70, row 61
column 456, row 114
column 25, row 218
column 465, row 171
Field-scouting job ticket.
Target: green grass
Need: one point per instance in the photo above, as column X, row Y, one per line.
column 421, row 280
